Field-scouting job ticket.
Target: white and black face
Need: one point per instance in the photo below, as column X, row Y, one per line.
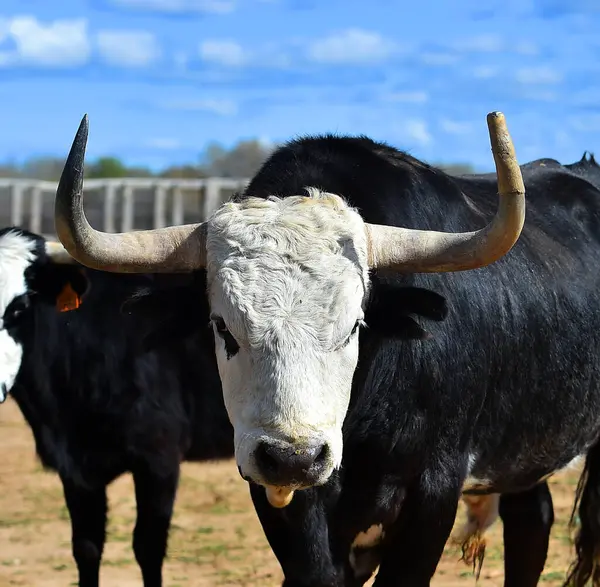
column 17, row 253
column 287, row 279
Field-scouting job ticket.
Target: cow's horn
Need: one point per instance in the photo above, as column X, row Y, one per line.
column 409, row 250
column 172, row 249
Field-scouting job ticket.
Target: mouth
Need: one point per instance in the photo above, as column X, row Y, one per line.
column 279, row 497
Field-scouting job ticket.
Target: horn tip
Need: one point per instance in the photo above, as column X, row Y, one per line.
column 496, row 123
column 84, row 126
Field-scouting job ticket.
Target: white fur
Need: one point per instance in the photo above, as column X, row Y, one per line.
column 288, row 276
column 16, row 254
column 368, row 539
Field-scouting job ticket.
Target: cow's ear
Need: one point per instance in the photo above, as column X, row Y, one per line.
column 391, row 311
column 164, row 315
column 61, row 285
column 422, row 302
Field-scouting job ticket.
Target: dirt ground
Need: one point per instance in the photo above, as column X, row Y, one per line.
column 215, row 537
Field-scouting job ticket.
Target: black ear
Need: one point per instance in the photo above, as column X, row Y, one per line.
column 60, row 285
column 390, row 308
column 166, row 312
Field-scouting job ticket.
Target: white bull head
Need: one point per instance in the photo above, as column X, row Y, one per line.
column 287, row 280
column 286, row 308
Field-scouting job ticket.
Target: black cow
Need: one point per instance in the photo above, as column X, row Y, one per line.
column 494, row 398
column 100, row 401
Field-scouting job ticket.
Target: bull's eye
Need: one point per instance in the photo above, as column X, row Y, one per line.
column 354, row 330
column 15, row 310
column 220, row 324
column 231, row 345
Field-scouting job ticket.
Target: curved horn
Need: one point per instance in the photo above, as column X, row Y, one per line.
column 58, row 253
column 172, row 249
column 403, row 249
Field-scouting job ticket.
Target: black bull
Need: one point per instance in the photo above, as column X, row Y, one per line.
column 511, row 375
column 504, row 390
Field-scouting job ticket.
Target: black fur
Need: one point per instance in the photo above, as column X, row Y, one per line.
column 100, row 404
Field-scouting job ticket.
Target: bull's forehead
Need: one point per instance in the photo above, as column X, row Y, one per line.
column 290, row 265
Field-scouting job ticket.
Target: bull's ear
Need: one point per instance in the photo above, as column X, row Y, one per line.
column 422, row 302
column 61, row 285
column 391, row 309
column 163, row 314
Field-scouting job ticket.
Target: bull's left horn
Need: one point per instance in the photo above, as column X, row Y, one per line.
column 172, row 249
column 410, row 250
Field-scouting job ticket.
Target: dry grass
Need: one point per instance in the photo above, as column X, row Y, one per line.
column 215, row 538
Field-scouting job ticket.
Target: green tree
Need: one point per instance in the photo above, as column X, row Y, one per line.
column 243, row 160
column 45, row 168
column 182, row 172
column 457, row 168
column 106, row 167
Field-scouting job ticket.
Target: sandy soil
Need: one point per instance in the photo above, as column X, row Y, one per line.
column 215, row 537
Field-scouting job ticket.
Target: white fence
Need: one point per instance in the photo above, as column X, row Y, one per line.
column 117, row 205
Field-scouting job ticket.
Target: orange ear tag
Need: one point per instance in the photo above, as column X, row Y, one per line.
column 67, row 300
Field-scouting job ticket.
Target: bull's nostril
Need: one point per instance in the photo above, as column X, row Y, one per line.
column 322, row 455
column 266, row 460
column 283, row 464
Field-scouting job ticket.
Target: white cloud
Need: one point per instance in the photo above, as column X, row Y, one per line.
column 414, row 97
column 178, row 6
column 437, row 58
column 221, row 107
column 542, row 74
column 454, row 127
column 351, row 46
column 489, row 43
column 4, row 25
column 223, row 52
column 128, row 48
column 585, row 97
column 181, row 60
column 415, row 130
column 587, row 123
column 59, row 43
column 541, row 95
column 485, row 72
column 163, row 143
column 527, row 48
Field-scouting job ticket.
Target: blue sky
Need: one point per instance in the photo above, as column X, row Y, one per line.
column 162, row 78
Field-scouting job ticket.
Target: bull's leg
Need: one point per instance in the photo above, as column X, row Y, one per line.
column 155, row 496
column 413, row 546
column 527, row 519
column 299, row 537
column 87, row 508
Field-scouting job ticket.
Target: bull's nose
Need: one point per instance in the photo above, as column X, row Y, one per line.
column 285, row 464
